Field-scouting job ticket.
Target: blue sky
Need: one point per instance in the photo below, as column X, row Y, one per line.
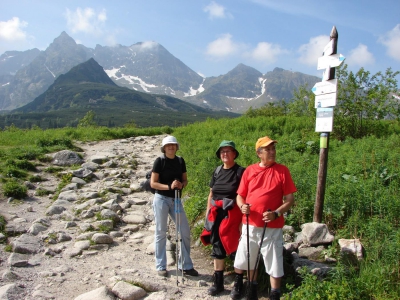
column 212, row 37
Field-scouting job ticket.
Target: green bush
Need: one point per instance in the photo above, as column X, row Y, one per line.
column 21, row 164
column 13, row 188
column 42, row 192
column 35, row 178
column 3, row 224
column 13, row 172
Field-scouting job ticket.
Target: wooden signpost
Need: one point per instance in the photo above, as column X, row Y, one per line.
column 325, row 100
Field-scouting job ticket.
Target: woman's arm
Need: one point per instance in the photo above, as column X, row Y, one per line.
column 209, row 200
column 158, row 186
column 184, row 180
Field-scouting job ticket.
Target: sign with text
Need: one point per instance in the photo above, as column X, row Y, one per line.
column 325, row 87
column 330, row 61
column 324, row 120
column 325, row 100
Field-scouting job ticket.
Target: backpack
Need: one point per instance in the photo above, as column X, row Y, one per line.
column 146, row 185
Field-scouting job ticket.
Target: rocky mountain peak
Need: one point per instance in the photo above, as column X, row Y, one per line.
column 89, row 71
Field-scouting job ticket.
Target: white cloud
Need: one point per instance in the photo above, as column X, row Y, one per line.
column 360, row 56
column 102, row 16
column 222, row 47
column 310, row 52
column 392, row 41
column 266, row 52
column 148, row 45
column 86, row 20
column 215, row 10
column 110, row 40
column 11, row 30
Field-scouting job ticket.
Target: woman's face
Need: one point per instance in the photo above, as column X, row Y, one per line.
column 170, row 148
column 227, row 154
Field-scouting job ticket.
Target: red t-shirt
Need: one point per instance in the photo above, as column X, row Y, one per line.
column 264, row 188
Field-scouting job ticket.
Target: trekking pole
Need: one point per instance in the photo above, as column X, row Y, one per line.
column 180, row 234
column 176, row 234
column 248, row 247
column 257, row 259
column 259, row 252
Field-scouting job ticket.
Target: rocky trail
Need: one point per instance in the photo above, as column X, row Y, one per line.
column 59, row 248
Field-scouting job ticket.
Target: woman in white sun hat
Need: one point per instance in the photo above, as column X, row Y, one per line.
column 169, row 174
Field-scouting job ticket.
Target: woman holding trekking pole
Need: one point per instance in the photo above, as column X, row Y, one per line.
column 169, row 174
column 264, row 195
column 222, row 226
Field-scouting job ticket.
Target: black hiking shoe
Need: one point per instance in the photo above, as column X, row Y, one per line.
column 218, row 285
column 190, row 272
column 251, row 293
column 274, row 295
column 237, row 290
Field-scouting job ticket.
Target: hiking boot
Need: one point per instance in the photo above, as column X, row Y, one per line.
column 218, row 285
column 162, row 273
column 190, row 272
column 274, row 295
column 252, row 291
column 237, row 290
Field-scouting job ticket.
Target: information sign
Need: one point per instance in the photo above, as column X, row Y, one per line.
column 325, row 100
column 325, row 87
column 324, row 120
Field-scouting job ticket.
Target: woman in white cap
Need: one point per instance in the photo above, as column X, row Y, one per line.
column 223, row 221
column 168, row 175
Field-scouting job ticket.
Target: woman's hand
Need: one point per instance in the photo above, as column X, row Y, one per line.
column 176, row 185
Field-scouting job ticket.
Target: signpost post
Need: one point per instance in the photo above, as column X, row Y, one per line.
column 325, row 100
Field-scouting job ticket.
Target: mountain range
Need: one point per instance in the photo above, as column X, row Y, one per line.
column 87, row 88
column 143, row 67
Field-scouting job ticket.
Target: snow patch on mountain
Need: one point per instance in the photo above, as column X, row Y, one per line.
column 193, row 92
column 134, row 80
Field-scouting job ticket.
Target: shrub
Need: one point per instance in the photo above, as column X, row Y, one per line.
column 13, row 172
column 42, row 192
column 13, row 188
column 21, row 164
column 36, row 178
column 3, row 223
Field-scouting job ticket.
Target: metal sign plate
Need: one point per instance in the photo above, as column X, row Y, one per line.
column 325, row 87
column 324, row 120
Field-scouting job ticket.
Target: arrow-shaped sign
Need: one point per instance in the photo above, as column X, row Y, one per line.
column 330, row 61
column 325, row 87
column 325, row 100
